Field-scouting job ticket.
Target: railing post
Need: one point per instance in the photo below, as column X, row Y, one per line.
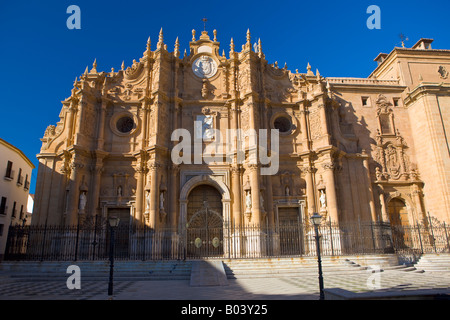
column 43, row 243
column 76, row 240
column 432, row 232
column 331, row 237
column 373, row 236
column 420, row 238
column 446, row 236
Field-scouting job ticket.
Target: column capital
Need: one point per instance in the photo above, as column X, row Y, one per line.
column 329, row 165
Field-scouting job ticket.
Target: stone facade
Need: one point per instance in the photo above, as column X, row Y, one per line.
column 347, row 146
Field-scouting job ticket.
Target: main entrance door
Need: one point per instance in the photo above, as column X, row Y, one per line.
column 398, row 215
column 290, row 231
column 204, row 229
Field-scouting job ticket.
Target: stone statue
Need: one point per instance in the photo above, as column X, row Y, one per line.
column 323, row 199
column 147, row 200
column 83, row 201
column 248, row 200
column 161, row 201
column 119, row 191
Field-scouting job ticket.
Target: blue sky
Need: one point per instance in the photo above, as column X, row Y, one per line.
column 40, row 57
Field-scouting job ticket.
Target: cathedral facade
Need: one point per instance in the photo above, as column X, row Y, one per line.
column 129, row 143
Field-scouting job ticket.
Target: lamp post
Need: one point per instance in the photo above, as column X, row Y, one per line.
column 316, row 220
column 113, row 223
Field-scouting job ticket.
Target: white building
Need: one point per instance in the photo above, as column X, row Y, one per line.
column 14, row 189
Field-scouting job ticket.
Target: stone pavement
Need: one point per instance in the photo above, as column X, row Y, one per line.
column 273, row 288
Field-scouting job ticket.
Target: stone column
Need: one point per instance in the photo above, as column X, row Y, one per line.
column 330, row 191
column 72, row 199
column 93, row 197
column 154, row 195
column 236, row 195
column 255, row 192
column 310, row 190
column 373, row 212
column 140, row 170
column 101, row 126
column 174, row 188
column 384, row 213
column 69, row 123
column 417, row 196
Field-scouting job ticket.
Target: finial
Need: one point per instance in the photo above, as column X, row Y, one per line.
column 318, row 74
column 215, row 35
column 204, row 23
column 86, row 71
column 148, row 44
column 248, row 45
column 193, row 34
column 75, row 82
column 94, row 66
column 160, row 39
column 310, row 73
column 123, row 65
column 285, row 65
column 231, row 46
column 223, row 53
column 185, row 53
column 177, row 48
column 259, row 47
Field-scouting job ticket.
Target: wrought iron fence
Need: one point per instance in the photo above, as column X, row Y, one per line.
column 92, row 241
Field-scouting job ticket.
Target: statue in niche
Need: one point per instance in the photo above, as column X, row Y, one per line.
column 287, row 191
column 83, row 201
column 119, row 191
column 147, row 200
column 323, row 199
column 248, row 201
column 161, row 201
column 261, row 202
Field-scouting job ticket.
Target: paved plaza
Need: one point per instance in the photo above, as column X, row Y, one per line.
column 273, row 288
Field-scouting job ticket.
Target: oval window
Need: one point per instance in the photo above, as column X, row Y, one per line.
column 283, row 124
column 125, row 124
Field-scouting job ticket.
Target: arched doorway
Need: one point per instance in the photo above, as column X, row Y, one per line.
column 204, row 228
column 398, row 216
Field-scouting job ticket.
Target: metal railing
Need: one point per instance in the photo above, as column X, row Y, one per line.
column 132, row 242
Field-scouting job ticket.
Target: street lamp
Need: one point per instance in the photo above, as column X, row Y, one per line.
column 316, row 220
column 113, row 223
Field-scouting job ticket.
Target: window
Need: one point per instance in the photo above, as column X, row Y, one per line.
column 20, row 178
column 3, row 206
column 283, row 124
column 1, row 229
column 13, row 214
column 21, row 212
column 396, row 102
column 9, row 172
column 125, row 124
column 365, row 101
column 27, row 183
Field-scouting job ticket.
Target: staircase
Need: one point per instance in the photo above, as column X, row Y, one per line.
column 439, row 262
column 98, row 270
column 298, row 267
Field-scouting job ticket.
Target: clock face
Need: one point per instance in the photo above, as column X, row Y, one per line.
column 204, row 67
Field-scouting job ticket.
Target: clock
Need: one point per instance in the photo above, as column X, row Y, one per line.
column 204, row 67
